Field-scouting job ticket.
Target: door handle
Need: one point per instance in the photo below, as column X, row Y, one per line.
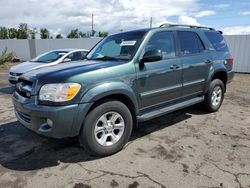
column 174, row 67
column 208, row 61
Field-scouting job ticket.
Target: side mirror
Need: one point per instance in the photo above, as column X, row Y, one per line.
column 66, row 60
column 151, row 56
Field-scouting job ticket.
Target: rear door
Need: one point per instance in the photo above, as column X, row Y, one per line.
column 196, row 62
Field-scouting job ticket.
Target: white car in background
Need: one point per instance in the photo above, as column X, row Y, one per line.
column 47, row 59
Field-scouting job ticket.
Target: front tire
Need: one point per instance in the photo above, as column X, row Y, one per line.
column 106, row 129
column 214, row 96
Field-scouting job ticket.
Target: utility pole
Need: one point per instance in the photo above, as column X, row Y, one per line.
column 151, row 22
column 92, row 34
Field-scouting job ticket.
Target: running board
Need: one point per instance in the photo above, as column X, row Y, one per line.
column 168, row 109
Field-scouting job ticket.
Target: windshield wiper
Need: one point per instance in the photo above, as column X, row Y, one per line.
column 109, row 58
column 106, row 58
column 37, row 61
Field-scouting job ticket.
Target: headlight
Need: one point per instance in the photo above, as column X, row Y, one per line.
column 59, row 92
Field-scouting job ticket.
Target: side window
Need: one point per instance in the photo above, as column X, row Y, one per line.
column 75, row 56
column 163, row 41
column 190, row 43
column 217, row 41
column 83, row 54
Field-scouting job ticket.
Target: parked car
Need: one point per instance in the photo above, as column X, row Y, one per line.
column 127, row 78
column 47, row 59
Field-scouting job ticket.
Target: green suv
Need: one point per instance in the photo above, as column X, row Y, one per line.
column 127, row 78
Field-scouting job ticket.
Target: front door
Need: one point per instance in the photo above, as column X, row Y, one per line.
column 159, row 82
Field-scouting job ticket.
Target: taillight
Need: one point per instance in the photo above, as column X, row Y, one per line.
column 231, row 59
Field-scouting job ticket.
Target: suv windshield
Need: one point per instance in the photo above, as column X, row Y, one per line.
column 49, row 57
column 122, row 46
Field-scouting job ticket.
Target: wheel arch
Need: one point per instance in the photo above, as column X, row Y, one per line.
column 98, row 95
column 221, row 75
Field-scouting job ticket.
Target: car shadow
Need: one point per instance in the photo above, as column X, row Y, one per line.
column 24, row 150
column 7, row 90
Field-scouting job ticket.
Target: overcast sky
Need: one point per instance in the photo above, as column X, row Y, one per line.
column 231, row 16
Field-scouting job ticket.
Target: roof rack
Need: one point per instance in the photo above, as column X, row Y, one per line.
column 183, row 25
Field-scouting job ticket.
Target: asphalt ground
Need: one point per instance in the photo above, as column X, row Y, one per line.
column 187, row 148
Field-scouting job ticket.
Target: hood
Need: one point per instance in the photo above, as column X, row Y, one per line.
column 27, row 66
column 62, row 72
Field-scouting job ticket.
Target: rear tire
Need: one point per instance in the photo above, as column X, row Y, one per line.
column 106, row 129
column 214, row 96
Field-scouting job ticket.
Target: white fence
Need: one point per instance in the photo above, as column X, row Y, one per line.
column 239, row 46
column 26, row 49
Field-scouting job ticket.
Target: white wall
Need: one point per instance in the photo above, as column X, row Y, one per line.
column 25, row 49
column 20, row 47
column 239, row 46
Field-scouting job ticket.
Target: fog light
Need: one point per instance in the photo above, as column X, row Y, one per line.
column 50, row 122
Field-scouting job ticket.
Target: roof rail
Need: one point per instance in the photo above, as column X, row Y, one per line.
column 183, row 25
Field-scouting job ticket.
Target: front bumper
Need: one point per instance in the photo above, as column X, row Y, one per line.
column 51, row 121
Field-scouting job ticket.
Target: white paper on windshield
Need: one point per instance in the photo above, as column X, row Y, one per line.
column 128, row 43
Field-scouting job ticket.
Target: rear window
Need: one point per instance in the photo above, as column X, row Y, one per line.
column 217, row 40
column 190, row 43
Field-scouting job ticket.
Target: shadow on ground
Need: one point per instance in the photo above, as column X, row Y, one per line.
column 24, row 150
column 7, row 90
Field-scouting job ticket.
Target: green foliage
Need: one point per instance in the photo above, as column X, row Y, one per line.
column 44, row 33
column 32, row 33
column 103, row 34
column 5, row 56
column 74, row 33
column 13, row 33
column 3, row 33
column 82, row 35
column 23, row 32
column 59, row 36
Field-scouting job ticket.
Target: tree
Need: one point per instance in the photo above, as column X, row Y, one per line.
column 3, row 33
column 44, row 33
column 23, row 31
column 103, row 34
column 82, row 35
column 74, row 33
column 13, row 33
column 59, row 36
column 32, row 33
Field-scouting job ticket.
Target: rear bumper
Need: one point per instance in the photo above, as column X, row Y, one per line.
column 230, row 76
column 51, row 121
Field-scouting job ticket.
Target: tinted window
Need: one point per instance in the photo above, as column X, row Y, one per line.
column 190, row 43
column 217, row 41
column 75, row 56
column 163, row 41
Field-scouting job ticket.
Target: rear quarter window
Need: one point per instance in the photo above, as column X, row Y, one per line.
column 190, row 43
column 217, row 41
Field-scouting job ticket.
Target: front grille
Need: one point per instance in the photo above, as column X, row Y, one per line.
column 13, row 82
column 24, row 117
column 24, row 88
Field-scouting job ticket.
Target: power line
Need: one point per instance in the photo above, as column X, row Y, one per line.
column 92, row 25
